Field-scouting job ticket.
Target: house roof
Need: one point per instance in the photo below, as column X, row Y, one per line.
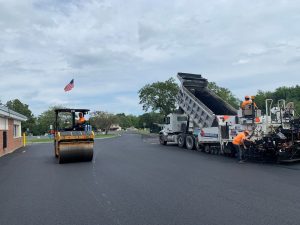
column 8, row 113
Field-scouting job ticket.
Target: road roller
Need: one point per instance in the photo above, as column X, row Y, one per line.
column 73, row 139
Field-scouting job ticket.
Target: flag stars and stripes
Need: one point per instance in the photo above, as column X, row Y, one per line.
column 69, row 86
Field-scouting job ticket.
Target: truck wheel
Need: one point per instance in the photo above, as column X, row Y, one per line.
column 162, row 140
column 207, row 149
column 190, row 143
column 228, row 149
column 181, row 141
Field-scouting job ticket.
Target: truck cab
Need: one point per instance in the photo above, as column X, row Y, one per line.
column 174, row 124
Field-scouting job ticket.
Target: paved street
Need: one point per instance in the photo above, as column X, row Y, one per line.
column 133, row 180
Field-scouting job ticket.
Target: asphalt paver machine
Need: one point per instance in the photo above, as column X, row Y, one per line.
column 73, row 141
column 208, row 123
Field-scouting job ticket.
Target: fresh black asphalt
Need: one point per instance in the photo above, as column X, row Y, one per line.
column 133, row 180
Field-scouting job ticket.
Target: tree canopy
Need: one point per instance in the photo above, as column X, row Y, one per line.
column 151, row 121
column 102, row 120
column 17, row 106
column 126, row 121
column 289, row 94
column 159, row 96
column 46, row 119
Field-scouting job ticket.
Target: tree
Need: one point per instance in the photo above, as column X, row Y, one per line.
column 151, row 120
column 17, row 106
column 102, row 120
column 46, row 119
column 126, row 121
column 225, row 94
column 159, row 96
column 289, row 94
column 260, row 98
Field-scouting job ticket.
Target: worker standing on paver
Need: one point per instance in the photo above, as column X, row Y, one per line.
column 239, row 143
column 246, row 102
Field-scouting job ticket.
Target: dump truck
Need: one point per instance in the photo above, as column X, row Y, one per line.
column 207, row 123
column 199, row 108
column 73, row 141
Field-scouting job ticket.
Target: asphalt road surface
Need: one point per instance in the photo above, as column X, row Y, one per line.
column 133, row 180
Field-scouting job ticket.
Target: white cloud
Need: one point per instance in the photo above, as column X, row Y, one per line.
column 127, row 101
column 112, row 48
column 241, row 61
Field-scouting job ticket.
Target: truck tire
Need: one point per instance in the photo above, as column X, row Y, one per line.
column 190, row 142
column 162, row 140
column 207, row 149
column 181, row 141
column 228, row 149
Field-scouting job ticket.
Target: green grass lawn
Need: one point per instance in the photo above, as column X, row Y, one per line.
column 39, row 140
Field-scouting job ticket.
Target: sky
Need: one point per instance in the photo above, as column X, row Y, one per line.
column 112, row 48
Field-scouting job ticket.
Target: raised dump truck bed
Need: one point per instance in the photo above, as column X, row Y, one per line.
column 201, row 104
column 214, row 102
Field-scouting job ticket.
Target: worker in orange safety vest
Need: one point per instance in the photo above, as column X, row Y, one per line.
column 81, row 118
column 246, row 102
column 239, row 142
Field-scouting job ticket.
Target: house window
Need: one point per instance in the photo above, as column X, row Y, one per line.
column 3, row 124
column 17, row 132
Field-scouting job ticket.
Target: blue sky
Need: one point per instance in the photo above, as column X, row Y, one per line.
column 112, row 48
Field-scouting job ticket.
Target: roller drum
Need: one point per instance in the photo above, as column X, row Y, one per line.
column 75, row 151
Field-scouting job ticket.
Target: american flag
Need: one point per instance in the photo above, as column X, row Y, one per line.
column 69, row 86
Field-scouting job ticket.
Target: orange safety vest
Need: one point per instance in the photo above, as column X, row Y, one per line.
column 81, row 120
column 239, row 139
column 247, row 102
